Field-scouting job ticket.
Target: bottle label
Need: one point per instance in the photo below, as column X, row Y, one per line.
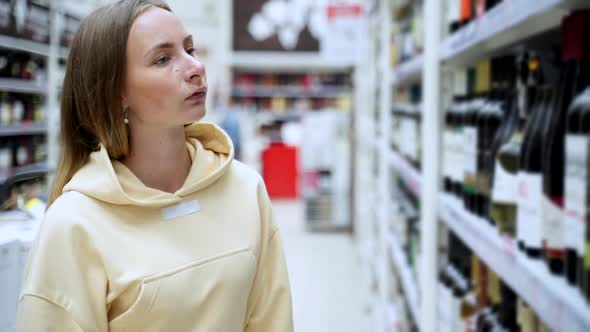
column 504, row 189
column 458, row 161
column 552, row 224
column 448, row 143
column 529, row 213
column 470, row 141
column 576, row 191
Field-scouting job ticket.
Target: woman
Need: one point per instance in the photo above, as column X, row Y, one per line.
column 151, row 225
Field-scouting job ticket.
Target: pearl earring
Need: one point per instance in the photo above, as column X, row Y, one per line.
column 125, row 114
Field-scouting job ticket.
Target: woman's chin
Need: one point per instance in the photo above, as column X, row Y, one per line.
column 197, row 113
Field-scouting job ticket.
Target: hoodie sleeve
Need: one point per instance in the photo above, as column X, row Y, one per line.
column 269, row 304
column 64, row 287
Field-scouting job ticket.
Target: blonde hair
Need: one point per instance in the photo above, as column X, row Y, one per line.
column 91, row 105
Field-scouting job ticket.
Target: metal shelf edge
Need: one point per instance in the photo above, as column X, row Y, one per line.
column 559, row 305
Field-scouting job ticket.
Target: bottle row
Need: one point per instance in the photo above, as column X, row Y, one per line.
column 18, row 109
column 22, row 65
column 407, row 32
column 282, row 104
column 405, row 222
column 472, row 297
column 303, row 80
column 22, row 151
column 516, row 148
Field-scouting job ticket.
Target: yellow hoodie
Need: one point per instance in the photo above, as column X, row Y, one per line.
column 115, row 255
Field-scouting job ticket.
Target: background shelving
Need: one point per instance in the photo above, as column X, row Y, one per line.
column 496, row 32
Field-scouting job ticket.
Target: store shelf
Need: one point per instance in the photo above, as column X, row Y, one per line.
column 29, row 46
column 559, row 305
column 22, row 86
column 408, row 281
column 410, row 175
column 290, row 91
column 407, row 71
column 23, row 130
column 505, row 24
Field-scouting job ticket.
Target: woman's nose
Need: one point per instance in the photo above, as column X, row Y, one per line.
column 195, row 69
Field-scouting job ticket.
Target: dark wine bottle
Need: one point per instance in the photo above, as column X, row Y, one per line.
column 530, row 180
column 448, row 142
column 573, row 79
column 497, row 111
column 504, row 192
column 577, row 195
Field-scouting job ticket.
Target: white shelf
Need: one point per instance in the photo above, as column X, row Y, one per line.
column 291, row 91
column 23, row 130
column 284, row 61
column 407, row 71
column 507, row 23
column 22, row 86
column 411, row 176
column 408, row 281
column 559, row 305
column 29, row 46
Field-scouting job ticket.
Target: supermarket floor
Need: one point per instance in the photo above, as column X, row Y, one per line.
column 325, row 274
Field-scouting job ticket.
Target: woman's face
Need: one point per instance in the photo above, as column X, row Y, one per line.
column 165, row 84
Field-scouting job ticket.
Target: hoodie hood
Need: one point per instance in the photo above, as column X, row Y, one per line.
column 110, row 181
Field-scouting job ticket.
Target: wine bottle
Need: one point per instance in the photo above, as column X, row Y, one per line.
column 576, row 189
column 497, row 110
column 504, row 193
column 447, row 158
column 482, row 88
column 577, row 231
column 471, row 137
column 530, row 180
column 574, row 78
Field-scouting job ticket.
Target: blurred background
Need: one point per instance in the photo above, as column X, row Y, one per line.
column 428, row 160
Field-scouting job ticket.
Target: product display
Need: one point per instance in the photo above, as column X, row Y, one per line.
column 513, row 157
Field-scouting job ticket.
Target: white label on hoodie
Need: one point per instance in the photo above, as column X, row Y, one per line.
column 181, row 210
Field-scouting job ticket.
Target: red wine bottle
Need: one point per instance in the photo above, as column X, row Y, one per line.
column 527, row 206
column 577, row 161
column 573, row 79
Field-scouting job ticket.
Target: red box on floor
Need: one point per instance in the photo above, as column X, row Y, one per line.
column 280, row 171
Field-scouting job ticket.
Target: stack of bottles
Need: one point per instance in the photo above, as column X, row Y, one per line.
column 17, row 109
column 408, row 32
column 406, row 117
column 18, row 152
column 281, row 92
column 519, row 126
column 21, row 65
column 474, row 298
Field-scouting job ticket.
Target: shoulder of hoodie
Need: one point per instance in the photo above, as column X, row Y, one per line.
column 245, row 175
column 72, row 206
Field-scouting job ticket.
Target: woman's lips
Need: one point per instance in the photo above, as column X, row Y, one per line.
column 198, row 96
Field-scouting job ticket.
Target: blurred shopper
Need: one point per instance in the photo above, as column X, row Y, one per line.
column 151, row 225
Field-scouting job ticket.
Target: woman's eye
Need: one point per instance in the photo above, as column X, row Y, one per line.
column 191, row 51
column 162, row 60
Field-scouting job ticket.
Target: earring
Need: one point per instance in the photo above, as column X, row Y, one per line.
column 125, row 114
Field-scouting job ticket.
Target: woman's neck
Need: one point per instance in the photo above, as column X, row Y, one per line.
column 158, row 157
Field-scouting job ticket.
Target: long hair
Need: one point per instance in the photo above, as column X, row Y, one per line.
column 91, row 104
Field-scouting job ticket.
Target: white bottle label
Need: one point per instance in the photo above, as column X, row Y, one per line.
column 470, row 143
column 529, row 214
column 448, row 153
column 504, row 188
column 459, row 160
column 552, row 224
column 576, row 191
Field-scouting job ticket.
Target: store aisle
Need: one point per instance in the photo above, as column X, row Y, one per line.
column 326, row 276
